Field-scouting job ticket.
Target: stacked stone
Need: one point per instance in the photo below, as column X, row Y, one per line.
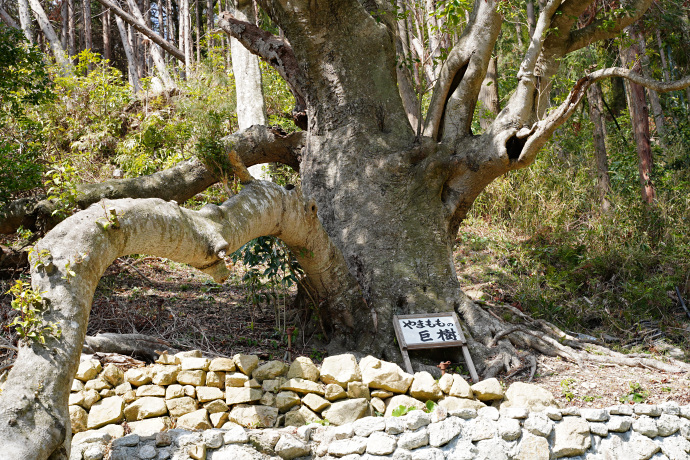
column 226, row 396
column 623, row 432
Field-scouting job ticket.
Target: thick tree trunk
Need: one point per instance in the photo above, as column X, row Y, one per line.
column 596, row 114
column 7, row 19
column 88, row 37
column 71, row 29
column 47, row 29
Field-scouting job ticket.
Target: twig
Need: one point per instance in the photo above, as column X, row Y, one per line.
column 682, row 303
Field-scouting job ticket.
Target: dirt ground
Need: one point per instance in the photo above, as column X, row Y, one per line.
column 186, row 308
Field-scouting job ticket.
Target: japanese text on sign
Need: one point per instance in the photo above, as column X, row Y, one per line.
column 428, row 330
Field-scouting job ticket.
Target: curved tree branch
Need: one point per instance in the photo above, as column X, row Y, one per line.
column 34, row 420
column 540, row 132
column 602, row 29
column 466, row 64
column 7, row 19
column 256, row 145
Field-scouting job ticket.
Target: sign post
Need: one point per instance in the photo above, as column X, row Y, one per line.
column 431, row 330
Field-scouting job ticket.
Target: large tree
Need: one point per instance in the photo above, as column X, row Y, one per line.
column 379, row 206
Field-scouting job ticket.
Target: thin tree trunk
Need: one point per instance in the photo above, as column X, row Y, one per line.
column 488, row 96
column 639, row 115
column 531, row 18
column 161, row 23
column 7, row 19
column 64, row 13
column 596, row 114
column 198, row 31
column 518, row 34
column 662, row 55
column 185, row 35
column 155, row 51
column 654, row 101
column 105, row 21
column 47, row 29
column 131, row 60
column 25, row 20
column 71, row 30
column 88, row 37
column 209, row 24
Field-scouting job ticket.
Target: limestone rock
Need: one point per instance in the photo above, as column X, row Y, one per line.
column 192, row 377
column 303, row 368
column 197, row 451
column 246, row 363
column 138, row 376
column 174, row 391
column 164, row 375
column 215, row 379
column 88, row 370
column 165, row 358
column 273, row 385
column 150, row 426
column 289, row 447
column 205, row 394
column 106, row 411
column 150, row 390
column 646, row 426
column 197, row 420
column 414, row 439
column 488, row 390
column 538, row 424
column 285, row 400
column 378, row 405
column 216, row 406
column 382, row 394
column 269, row 371
column 303, row 386
column 509, row 429
column 315, row 402
column 113, row 375
column 381, row 444
column 192, row 364
column 533, row 448
column 218, row 419
column 252, row 383
column 424, row 387
column 402, row 400
column 571, row 437
column 453, row 404
column 235, row 379
column 189, row 354
column 181, row 406
column 234, row 395
column 222, row 365
column 445, row 383
column 368, row 425
column 532, row 397
column 145, row 408
column 340, row 369
column 77, row 385
column 358, row 390
column 78, row 419
column 123, row 388
column 301, row 417
column 268, row 399
column 253, row 416
column 343, row 447
column 335, row 392
column 97, row 384
column 441, row 433
column 384, row 375
column 346, row 411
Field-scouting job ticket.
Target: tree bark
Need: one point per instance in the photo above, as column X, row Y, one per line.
column 71, row 29
column 639, row 116
column 596, row 114
column 25, row 20
column 209, row 25
column 47, row 29
column 105, row 22
column 488, row 96
column 129, row 52
column 158, row 60
column 7, row 19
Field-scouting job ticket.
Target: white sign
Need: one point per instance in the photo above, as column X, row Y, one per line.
column 429, row 330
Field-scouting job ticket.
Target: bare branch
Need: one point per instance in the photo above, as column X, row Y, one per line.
column 602, row 29
column 542, row 131
column 131, row 20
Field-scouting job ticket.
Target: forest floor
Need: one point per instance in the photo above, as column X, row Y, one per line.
column 167, row 300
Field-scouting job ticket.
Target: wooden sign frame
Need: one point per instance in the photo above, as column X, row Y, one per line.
column 461, row 342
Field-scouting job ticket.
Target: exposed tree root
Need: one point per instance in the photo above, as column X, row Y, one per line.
column 502, row 339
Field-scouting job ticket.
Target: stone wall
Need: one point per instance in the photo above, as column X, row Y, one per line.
column 187, row 406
